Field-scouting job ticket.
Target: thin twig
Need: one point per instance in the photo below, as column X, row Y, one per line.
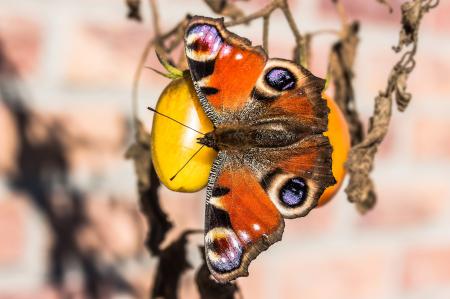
column 143, row 58
column 266, row 21
column 299, row 42
column 136, row 81
column 324, row 31
column 265, row 11
column 341, row 12
column 155, row 18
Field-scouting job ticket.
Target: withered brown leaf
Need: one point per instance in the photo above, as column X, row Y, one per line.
column 148, row 184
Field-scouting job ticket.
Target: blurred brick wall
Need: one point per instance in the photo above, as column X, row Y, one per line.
column 76, row 60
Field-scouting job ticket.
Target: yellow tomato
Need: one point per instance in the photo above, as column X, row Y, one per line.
column 340, row 141
column 172, row 145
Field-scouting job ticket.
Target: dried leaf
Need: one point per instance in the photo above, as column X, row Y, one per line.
column 148, row 184
column 208, row 287
column 360, row 189
column 172, row 264
column 402, row 97
column 134, row 11
column 411, row 16
column 139, row 152
column 361, row 157
column 303, row 50
column 225, row 8
column 341, row 63
column 387, row 4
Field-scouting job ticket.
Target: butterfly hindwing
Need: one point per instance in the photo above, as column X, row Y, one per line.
column 241, row 221
column 298, row 174
column 245, row 206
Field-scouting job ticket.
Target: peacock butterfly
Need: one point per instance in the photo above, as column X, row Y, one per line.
column 273, row 160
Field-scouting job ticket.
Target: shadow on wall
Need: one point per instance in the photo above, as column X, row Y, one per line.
column 42, row 173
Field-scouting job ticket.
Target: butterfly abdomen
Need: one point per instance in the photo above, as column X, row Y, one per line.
column 265, row 135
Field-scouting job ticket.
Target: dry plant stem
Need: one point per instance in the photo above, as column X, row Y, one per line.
column 341, row 11
column 299, row 41
column 324, row 31
column 361, row 158
column 265, row 11
column 266, row 20
column 387, row 4
column 341, row 64
column 136, row 80
column 265, row 14
column 225, row 8
column 340, row 71
column 155, row 18
column 148, row 185
column 177, row 31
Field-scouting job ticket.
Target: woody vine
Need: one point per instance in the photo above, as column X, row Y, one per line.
column 360, row 190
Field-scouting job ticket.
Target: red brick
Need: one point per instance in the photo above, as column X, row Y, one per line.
column 364, row 10
column 141, row 280
column 21, row 39
column 102, row 123
column 188, row 288
column 438, row 18
column 318, row 221
column 391, row 140
column 107, row 54
column 331, row 275
column 8, row 141
column 185, row 210
column 13, row 213
column 428, row 81
column 431, row 139
column 46, row 292
column 115, row 229
column 95, row 134
column 427, row 267
column 320, row 53
column 253, row 286
column 372, row 70
column 404, row 204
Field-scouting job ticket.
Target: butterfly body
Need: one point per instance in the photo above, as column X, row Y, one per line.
column 245, row 136
column 273, row 160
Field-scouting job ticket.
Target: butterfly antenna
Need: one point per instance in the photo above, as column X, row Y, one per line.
column 157, row 112
column 186, row 163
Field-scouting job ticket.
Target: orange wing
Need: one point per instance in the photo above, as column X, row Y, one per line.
column 245, row 205
column 224, row 66
column 241, row 221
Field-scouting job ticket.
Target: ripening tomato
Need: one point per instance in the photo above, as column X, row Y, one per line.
column 173, row 145
column 339, row 136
